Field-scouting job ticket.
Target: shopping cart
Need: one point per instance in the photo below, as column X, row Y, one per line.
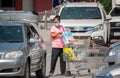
column 77, row 57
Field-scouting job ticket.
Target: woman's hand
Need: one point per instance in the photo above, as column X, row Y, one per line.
column 60, row 33
column 53, row 35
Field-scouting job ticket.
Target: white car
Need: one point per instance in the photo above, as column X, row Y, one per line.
column 115, row 20
column 82, row 17
column 110, row 32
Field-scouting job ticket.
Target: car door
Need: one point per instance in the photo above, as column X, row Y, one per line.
column 35, row 50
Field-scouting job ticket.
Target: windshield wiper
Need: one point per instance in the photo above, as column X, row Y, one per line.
column 14, row 41
column 95, row 18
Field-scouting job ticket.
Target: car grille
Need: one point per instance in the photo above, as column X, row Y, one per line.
column 80, row 28
column 115, row 25
column 81, row 37
column 115, row 30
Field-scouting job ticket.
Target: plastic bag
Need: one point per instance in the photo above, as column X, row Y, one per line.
column 70, row 53
column 67, row 36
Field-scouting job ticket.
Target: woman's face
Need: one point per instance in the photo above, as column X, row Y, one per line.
column 56, row 22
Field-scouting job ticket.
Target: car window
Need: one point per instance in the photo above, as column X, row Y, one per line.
column 80, row 13
column 11, row 34
column 116, row 12
column 31, row 32
column 34, row 31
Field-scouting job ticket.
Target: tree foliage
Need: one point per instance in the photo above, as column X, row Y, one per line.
column 107, row 4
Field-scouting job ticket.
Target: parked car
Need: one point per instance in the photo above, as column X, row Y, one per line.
column 115, row 21
column 112, row 54
column 110, row 72
column 22, row 49
column 110, row 32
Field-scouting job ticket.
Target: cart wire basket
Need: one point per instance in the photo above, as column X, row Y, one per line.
column 82, row 59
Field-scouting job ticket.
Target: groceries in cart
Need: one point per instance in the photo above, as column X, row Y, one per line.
column 68, row 53
column 74, row 52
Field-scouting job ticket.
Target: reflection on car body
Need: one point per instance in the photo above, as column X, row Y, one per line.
column 112, row 54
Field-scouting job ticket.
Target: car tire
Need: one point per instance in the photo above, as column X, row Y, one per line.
column 27, row 71
column 41, row 72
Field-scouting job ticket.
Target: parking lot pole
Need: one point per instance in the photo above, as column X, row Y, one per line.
column 45, row 20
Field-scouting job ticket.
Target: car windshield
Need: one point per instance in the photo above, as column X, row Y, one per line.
column 11, row 34
column 80, row 13
column 115, row 12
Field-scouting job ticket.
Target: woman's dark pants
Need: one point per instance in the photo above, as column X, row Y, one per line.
column 57, row 52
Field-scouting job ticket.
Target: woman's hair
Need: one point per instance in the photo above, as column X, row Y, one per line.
column 57, row 17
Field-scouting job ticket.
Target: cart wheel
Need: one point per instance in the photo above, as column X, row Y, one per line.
column 67, row 73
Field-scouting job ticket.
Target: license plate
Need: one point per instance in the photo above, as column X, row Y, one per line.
column 116, row 33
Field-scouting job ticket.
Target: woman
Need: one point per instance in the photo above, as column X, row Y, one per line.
column 57, row 46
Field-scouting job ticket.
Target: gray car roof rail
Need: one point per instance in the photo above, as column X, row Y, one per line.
column 26, row 16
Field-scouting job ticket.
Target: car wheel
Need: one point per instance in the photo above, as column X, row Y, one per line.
column 27, row 71
column 41, row 73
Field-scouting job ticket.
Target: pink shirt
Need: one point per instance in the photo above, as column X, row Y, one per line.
column 57, row 42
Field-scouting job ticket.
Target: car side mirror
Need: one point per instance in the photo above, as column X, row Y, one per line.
column 108, row 17
column 51, row 17
column 33, row 40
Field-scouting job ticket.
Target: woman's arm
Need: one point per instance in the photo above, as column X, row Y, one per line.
column 53, row 35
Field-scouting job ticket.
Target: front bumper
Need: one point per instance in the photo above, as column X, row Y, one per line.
column 12, row 67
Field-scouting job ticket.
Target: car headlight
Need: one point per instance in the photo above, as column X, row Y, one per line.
column 101, row 26
column 98, row 27
column 13, row 55
column 114, row 51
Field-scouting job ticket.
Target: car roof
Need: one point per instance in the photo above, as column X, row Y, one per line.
column 81, row 4
column 24, row 16
column 6, row 23
column 19, row 12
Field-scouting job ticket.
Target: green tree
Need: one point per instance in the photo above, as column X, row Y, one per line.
column 107, row 4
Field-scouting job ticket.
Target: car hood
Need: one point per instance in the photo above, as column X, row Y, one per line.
column 115, row 19
column 85, row 22
column 6, row 47
column 115, row 45
column 113, row 70
column 111, row 47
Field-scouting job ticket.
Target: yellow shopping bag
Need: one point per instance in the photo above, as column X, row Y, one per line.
column 70, row 53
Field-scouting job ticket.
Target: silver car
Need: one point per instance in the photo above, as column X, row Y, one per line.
column 112, row 55
column 22, row 50
column 110, row 72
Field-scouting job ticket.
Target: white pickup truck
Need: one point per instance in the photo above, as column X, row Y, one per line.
column 111, row 32
column 82, row 17
column 115, row 20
